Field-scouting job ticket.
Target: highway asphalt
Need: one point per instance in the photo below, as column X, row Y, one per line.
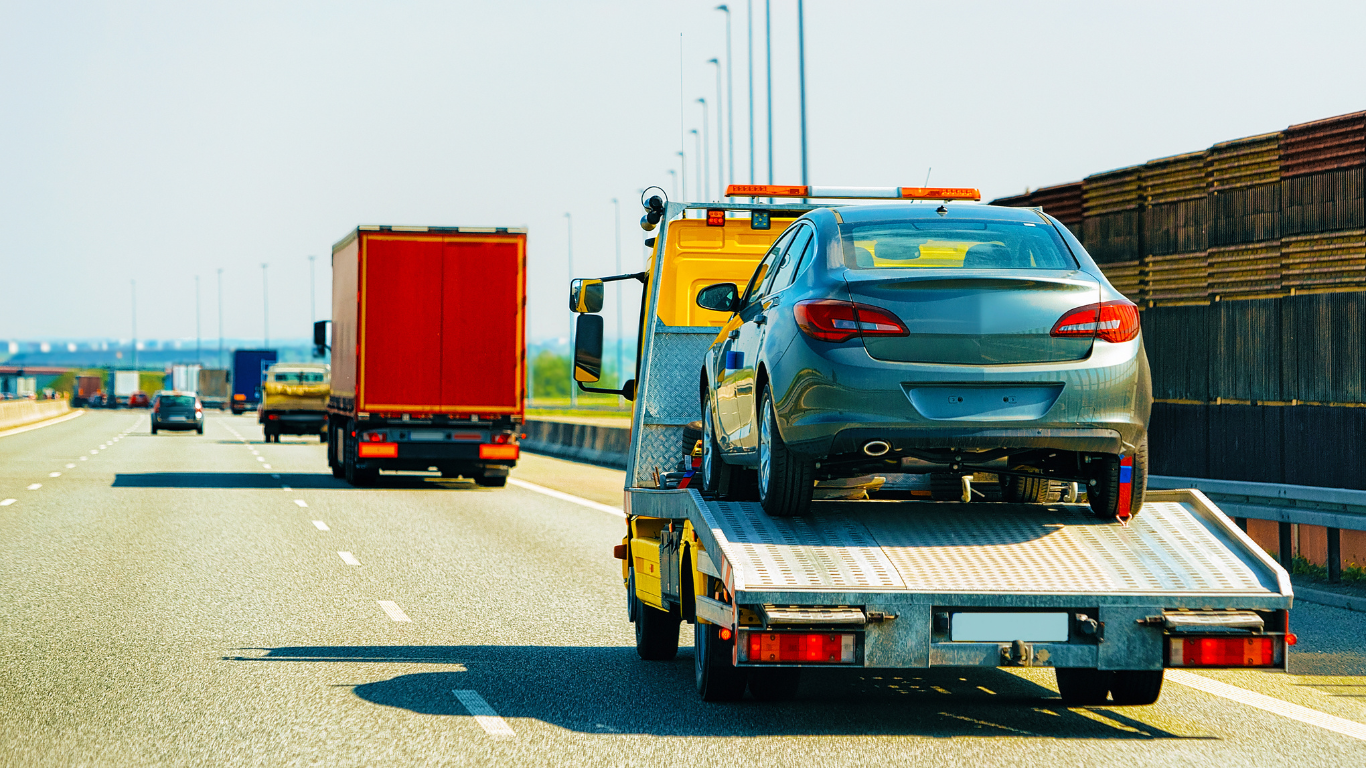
column 214, row 600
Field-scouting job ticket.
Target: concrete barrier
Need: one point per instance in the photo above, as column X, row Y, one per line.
column 591, row 443
column 17, row 413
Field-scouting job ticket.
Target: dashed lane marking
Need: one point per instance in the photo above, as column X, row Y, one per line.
column 258, row 458
column 320, row 525
column 569, row 497
column 70, row 466
column 350, row 559
column 301, row 502
column 54, row 474
column 285, row 488
column 486, row 716
column 6, row 502
column 1269, row 704
column 92, row 453
column 266, row 466
column 35, row 486
column 83, row 458
column 391, row 608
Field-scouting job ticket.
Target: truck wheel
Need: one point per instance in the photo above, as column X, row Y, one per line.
column 322, row 437
column 1080, row 687
column 1136, row 687
column 718, row 679
column 354, row 475
column 338, row 471
column 1025, row 490
column 786, row 482
column 779, row 684
column 1104, row 495
column 718, row 477
column 491, row 482
column 656, row 632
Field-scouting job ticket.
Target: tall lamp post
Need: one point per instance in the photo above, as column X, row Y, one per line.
column 569, row 248
column 730, row 101
column 673, row 183
column 312, row 298
column 801, row 76
column 265, row 308
column 749, row 49
column 706, row 153
column 198, row 353
column 697, row 153
column 720, row 135
column 134, row 285
column 220, row 317
column 768, row 90
column 621, row 368
column 682, row 175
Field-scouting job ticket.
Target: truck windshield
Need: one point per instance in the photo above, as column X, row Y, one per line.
column 298, row 377
column 954, row 245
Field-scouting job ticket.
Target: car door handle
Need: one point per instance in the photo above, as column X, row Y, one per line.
column 734, row 335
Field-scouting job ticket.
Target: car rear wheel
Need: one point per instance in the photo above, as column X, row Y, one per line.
column 1104, row 495
column 786, row 481
column 718, row 679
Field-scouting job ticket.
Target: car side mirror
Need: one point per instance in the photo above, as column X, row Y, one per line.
column 721, row 297
column 585, row 296
column 588, row 348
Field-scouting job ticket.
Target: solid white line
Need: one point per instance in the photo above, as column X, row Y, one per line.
column 41, row 424
column 321, row 525
column 395, row 613
column 350, row 559
column 486, row 716
column 569, row 497
column 54, row 474
column 1273, row 705
column 6, row 502
column 35, row 486
column 301, row 502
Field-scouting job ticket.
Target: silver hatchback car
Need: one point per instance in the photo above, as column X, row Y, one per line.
column 952, row 341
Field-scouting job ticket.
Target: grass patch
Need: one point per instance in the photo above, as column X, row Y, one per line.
column 1351, row 574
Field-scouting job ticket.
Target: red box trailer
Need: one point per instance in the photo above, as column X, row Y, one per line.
column 428, row 351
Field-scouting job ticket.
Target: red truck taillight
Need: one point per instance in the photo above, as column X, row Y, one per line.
column 377, row 450
column 1230, row 651
column 492, row 451
column 797, row 647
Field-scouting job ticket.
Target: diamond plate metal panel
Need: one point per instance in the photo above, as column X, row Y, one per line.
column 816, row 552
column 675, row 364
column 659, row 446
column 1043, row 550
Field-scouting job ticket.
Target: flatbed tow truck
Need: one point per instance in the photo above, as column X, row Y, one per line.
column 898, row 584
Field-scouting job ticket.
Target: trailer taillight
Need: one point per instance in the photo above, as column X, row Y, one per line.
column 1233, row 651
column 796, row 648
column 377, row 450
column 491, row 451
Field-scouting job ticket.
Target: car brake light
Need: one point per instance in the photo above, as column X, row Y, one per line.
column 1234, row 651
column 837, row 321
column 797, row 648
column 1112, row 321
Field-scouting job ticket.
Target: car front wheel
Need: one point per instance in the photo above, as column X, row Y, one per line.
column 786, row 481
column 717, row 475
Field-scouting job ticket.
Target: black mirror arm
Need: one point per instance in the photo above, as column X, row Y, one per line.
column 641, row 276
column 628, row 391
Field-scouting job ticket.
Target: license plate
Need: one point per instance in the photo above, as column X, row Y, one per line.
column 427, row 435
column 1008, row 627
column 177, row 418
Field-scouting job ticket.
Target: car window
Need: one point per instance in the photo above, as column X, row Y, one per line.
column 181, row 401
column 792, row 256
column 954, row 245
column 761, row 271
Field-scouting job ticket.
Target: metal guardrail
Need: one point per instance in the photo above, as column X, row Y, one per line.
column 1302, row 504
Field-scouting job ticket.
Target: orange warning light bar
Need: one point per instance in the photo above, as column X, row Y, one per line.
column 855, row 193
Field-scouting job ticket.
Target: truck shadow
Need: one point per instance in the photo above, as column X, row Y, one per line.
column 609, row 690
column 300, row 480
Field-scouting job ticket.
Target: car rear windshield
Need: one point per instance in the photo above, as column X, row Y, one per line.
column 954, row 245
column 298, row 377
column 180, row 401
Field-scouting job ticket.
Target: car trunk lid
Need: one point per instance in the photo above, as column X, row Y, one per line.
column 978, row 317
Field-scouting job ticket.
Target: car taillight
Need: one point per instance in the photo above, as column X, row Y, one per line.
column 1113, row 321
column 1234, row 651
column 796, row 648
column 837, row 321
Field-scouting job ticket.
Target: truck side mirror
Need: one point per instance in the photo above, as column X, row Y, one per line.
column 320, row 338
column 588, row 348
column 585, row 296
column 721, row 297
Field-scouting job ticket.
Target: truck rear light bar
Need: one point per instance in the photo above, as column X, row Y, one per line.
column 796, row 647
column 1226, row 651
column 492, row 451
column 377, row 450
column 854, row 193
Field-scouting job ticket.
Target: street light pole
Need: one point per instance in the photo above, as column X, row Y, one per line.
column 730, row 101
column 312, row 298
column 768, row 90
column 673, row 183
column 706, row 153
column 749, row 50
column 198, row 354
column 720, row 135
column 621, row 370
column 569, row 248
column 801, row 76
column 134, row 285
column 682, row 175
column 697, row 153
column 265, row 308
column 220, row 317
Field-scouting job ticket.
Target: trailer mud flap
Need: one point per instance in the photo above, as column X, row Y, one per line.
column 670, row 583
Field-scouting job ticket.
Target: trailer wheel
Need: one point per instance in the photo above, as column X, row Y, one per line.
column 1136, row 687
column 491, row 482
column 354, row 475
column 778, row 684
column 656, row 632
column 786, row 481
column 1080, row 687
column 717, row 677
column 1104, row 495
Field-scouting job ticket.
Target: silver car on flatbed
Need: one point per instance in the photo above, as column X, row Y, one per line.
column 956, row 340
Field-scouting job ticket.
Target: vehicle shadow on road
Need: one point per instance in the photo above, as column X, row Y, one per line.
column 610, row 690
column 299, row 480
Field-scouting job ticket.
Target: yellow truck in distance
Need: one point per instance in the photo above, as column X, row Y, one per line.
column 294, row 400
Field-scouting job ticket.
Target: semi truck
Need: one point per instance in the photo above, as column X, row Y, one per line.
column 897, row 583
column 86, row 387
column 428, row 350
column 248, row 372
column 294, row 400
column 125, row 384
column 185, row 378
column 213, row 388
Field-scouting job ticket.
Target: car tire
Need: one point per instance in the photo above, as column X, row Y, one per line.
column 718, row 477
column 154, row 429
column 656, row 632
column 714, row 670
column 199, row 429
column 1136, row 687
column 777, row 684
column 1104, row 495
column 1081, row 687
column 786, row 481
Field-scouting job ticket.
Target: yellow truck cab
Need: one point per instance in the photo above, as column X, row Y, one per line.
column 294, row 400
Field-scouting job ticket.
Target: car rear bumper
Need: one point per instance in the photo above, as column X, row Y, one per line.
column 837, row 399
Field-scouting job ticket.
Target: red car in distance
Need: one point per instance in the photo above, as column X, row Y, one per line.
column 139, row 399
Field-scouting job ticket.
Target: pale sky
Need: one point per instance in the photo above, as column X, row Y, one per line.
column 159, row 141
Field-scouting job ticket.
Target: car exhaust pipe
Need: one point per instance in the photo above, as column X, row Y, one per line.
column 877, row 447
